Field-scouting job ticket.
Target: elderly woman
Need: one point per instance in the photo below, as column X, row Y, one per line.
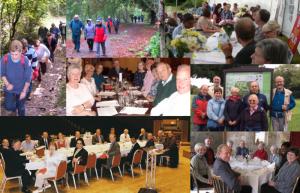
column 79, row 100
column 201, row 169
column 285, row 180
column 261, row 153
column 61, row 142
column 271, row 29
column 233, row 109
column 139, row 75
column 52, row 160
column 79, row 156
column 253, row 118
column 204, row 23
column 89, row 81
column 215, row 109
column 274, row 157
column 270, row 51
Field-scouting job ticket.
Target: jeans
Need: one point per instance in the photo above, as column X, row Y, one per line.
column 102, row 46
column 12, row 103
column 76, row 41
column 90, row 42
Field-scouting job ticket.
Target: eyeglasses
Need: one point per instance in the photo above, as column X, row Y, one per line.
column 252, row 100
column 79, row 143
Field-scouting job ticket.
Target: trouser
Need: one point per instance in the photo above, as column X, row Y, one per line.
column 116, row 29
column 40, row 179
column 102, row 46
column 220, row 128
column 76, row 41
column 265, row 188
column 109, row 29
column 246, row 189
column 90, row 43
column 253, row 129
column 42, row 70
column 200, row 127
column 278, row 124
column 13, row 103
column 63, row 39
column 29, row 90
column 52, row 55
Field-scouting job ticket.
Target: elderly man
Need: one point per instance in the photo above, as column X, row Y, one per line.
column 201, row 169
column 160, row 138
column 245, row 32
column 222, row 168
column 27, row 144
column 261, row 18
column 98, row 137
column 216, row 83
column 172, row 149
column 143, row 135
column 167, row 84
column 115, row 70
column 209, row 155
column 282, row 104
column 125, row 137
column 199, row 107
column 45, row 140
column 76, row 27
column 241, row 150
column 74, row 139
column 254, row 89
column 178, row 104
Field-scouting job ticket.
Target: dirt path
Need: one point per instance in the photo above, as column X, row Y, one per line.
column 131, row 40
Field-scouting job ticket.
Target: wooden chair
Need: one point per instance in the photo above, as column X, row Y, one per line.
column 4, row 177
column 61, row 172
column 40, row 152
column 296, row 188
column 114, row 164
column 219, row 185
column 91, row 163
column 136, row 160
column 79, row 169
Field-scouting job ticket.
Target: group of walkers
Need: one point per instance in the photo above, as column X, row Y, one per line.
column 56, row 32
column 93, row 32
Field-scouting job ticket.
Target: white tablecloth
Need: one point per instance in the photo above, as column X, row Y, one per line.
column 254, row 173
column 214, row 55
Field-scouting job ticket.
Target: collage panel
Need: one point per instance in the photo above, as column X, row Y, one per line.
column 245, row 98
column 257, row 162
column 135, row 154
column 128, row 86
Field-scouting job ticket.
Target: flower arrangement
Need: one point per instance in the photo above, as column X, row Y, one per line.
column 188, row 41
column 242, row 11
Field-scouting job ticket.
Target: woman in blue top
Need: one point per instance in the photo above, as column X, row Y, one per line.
column 98, row 76
column 139, row 75
column 215, row 111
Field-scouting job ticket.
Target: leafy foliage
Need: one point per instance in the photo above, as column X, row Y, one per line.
column 154, row 46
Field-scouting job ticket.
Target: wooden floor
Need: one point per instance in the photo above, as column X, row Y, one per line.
column 168, row 180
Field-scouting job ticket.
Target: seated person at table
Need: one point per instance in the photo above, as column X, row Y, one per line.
column 178, row 104
column 114, row 149
column 153, row 90
column 223, row 169
column 28, row 144
column 4, row 146
column 215, row 109
column 149, row 78
column 45, row 140
column 261, row 153
column 261, row 17
column 139, row 75
column 52, row 160
column 230, row 145
column 79, row 156
column 204, row 23
column 74, row 139
column 142, row 135
column 285, row 180
column 242, row 150
column 167, row 84
column 187, row 23
column 271, row 51
column 209, row 155
column 129, row 157
column 125, row 137
column 150, row 140
column 201, row 169
column 78, row 98
column 217, row 14
column 98, row 76
column 112, row 132
column 98, row 137
column 226, row 13
column 271, row 29
column 253, row 118
column 160, row 138
column 61, row 141
column 89, row 81
column 285, row 146
column 113, row 73
column 274, row 157
column 245, row 31
column 15, row 163
column 172, row 150
column 254, row 89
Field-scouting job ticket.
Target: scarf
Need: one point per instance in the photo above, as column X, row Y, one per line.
column 234, row 98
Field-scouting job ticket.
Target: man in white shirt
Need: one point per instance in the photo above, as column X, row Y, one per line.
column 27, row 144
column 178, row 104
column 125, row 137
column 217, row 83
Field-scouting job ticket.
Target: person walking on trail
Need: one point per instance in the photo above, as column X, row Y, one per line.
column 16, row 75
column 100, row 36
column 55, row 31
column 109, row 24
column 51, row 44
column 116, row 23
column 89, row 34
column 63, row 32
column 76, row 26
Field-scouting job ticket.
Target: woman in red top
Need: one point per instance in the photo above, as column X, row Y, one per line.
column 261, row 152
column 61, row 142
column 100, row 36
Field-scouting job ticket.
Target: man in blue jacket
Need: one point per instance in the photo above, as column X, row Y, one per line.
column 76, row 27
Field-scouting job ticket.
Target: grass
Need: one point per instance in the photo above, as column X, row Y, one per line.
column 61, row 101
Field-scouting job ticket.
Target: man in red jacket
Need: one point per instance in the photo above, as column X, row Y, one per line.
column 100, row 36
column 199, row 107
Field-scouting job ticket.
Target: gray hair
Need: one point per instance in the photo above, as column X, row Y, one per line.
column 274, row 50
column 73, row 67
column 198, row 146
